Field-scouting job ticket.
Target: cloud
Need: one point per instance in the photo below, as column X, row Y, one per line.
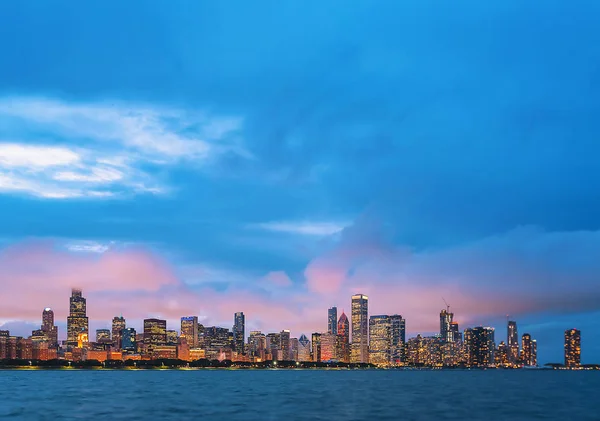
column 278, row 279
column 121, row 148
column 32, row 156
column 302, row 227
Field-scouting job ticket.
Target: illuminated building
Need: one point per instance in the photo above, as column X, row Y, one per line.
column 103, row 336
column 303, row 348
column 397, row 339
column 502, row 354
column 526, row 347
column 572, row 348
column 49, row 329
column 165, row 352
column 285, row 345
column 257, row 345
column 379, row 340
column 328, row 343
column 77, row 322
column 83, row 340
column 24, row 349
column 479, row 342
column 118, row 325
column 197, row 354
column 273, row 341
column 129, row 340
column 455, row 332
column 4, row 335
column 332, row 320
column 343, row 330
column 155, row 334
column 95, row 355
column 172, row 337
column 445, row 325
column 316, row 347
column 215, row 340
column 534, row 353
column 189, row 330
column 239, row 330
column 183, row 349
column 294, row 348
column 512, row 341
column 40, row 350
column 360, row 329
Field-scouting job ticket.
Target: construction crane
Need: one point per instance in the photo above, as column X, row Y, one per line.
column 447, row 305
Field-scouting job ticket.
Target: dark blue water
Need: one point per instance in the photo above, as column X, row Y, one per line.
column 299, row 395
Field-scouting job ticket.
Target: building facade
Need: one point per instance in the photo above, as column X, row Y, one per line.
column 343, row 329
column 332, row 320
column 239, row 329
column 189, row 330
column 118, row 325
column 77, row 322
column 572, row 348
column 360, row 329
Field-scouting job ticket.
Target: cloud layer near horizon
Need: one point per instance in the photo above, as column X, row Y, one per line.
column 527, row 272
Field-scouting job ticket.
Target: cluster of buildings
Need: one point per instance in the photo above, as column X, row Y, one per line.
column 378, row 339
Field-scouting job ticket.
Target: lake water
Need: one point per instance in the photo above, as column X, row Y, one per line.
column 290, row 395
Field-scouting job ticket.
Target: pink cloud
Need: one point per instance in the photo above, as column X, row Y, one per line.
column 278, row 279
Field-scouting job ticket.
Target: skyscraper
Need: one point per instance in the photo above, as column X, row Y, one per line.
column 128, row 340
column 512, row 341
column 303, row 348
column 397, row 339
column 189, row 330
column 239, row 327
column 49, row 329
column 572, row 348
column 379, row 340
column 155, row 334
column 77, row 322
column 343, row 329
column 294, row 349
column 480, row 346
column 534, row 353
column 454, row 330
column 332, row 320
column 316, row 347
column 526, row 347
column 118, row 325
column 328, row 347
column 284, row 337
column 360, row 329
column 446, row 319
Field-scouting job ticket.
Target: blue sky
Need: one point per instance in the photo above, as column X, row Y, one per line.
column 290, row 154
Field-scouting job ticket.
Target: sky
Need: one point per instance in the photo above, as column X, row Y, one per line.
column 202, row 158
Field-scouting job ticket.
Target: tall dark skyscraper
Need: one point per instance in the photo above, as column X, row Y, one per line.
column 284, row 338
column 128, row 340
column 360, row 329
column 480, row 346
column 49, row 329
column 77, row 322
column 239, row 328
column 572, row 348
column 343, row 329
column 118, row 325
column 397, row 339
column 332, row 320
column 446, row 319
column 512, row 341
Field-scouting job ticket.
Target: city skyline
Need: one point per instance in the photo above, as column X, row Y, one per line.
column 205, row 159
column 376, row 339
